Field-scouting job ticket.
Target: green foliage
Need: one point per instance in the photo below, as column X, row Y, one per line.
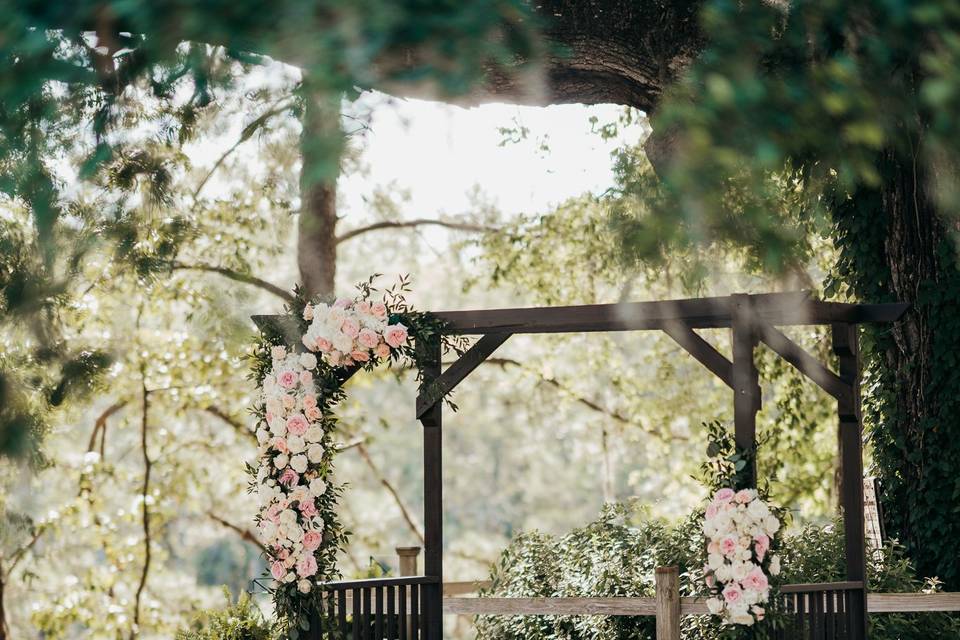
column 613, row 556
column 237, row 621
column 616, row 555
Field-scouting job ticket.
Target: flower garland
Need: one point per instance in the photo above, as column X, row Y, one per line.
column 740, row 530
column 300, row 383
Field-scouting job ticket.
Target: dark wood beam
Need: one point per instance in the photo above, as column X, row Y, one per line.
column 433, row 392
column 703, row 351
column 804, row 362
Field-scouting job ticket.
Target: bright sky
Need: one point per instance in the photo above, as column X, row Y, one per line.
column 439, row 153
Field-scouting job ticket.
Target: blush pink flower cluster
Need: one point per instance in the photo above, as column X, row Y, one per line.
column 352, row 331
column 739, row 529
column 291, row 476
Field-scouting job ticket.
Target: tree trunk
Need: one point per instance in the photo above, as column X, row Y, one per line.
column 321, row 144
column 896, row 247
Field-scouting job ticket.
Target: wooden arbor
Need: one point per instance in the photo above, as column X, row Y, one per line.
column 752, row 319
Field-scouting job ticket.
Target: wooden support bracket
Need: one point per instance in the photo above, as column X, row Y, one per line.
column 434, row 391
column 805, row 363
column 691, row 342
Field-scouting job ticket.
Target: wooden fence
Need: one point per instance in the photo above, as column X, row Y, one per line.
column 393, row 608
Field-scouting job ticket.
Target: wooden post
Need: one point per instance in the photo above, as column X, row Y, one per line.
column 668, row 603
column 407, row 557
column 851, row 472
column 432, row 420
column 746, row 387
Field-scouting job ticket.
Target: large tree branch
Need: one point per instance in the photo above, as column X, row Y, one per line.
column 375, row 470
column 245, row 534
column 236, row 276
column 587, row 402
column 145, row 508
column 417, row 222
column 233, row 422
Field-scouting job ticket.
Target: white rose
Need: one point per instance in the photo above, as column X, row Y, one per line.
column 288, row 517
column 299, row 463
column 318, row 487
column 741, row 569
column 742, row 618
column 771, row 524
column 290, row 577
column 775, row 566
column 723, row 573
column 315, row 453
column 278, row 426
column 281, row 461
column 304, row 585
column 295, row 534
column 314, row 434
column 308, row 360
column 715, row 605
column 263, row 436
column 296, row 444
column 715, row 561
column 342, row 343
column 269, row 530
column 758, row 509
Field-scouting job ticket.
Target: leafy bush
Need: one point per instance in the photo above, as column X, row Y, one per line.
column 616, row 556
column 240, row 621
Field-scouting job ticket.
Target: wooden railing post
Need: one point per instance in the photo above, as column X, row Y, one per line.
column 407, row 557
column 668, row 603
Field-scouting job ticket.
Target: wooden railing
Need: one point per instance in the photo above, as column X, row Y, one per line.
column 828, row 611
column 378, row 609
column 393, row 608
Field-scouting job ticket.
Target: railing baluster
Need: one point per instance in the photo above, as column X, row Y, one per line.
column 402, row 604
column 816, row 625
column 831, row 618
column 367, row 611
column 378, row 613
column 342, row 611
column 357, row 618
column 801, row 611
column 415, row 612
column 391, row 613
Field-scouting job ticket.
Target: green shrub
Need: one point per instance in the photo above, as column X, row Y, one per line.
column 240, row 621
column 616, row 556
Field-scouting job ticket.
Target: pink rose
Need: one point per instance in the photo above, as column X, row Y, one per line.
column 343, row 303
column 287, row 379
column 395, row 335
column 312, row 540
column 712, row 511
column 289, row 477
column 288, row 402
column 728, row 546
column 309, row 401
column 360, row 356
column 322, row 344
column 273, row 513
column 334, row 358
column 723, row 495
column 278, row 353
column 308, row 509
column 307, row 566
column 277, row 570
column 297, row 424
column 308, row 343
column 732, row 594
column 368, row 338
column 306, row 378
column 378, row 309
column 363, row 307
column 383, row 351
column 743, row 496
column 762, row 544
column 280, row 444
column 313, row 413
column 758, row 611
column 346, row 361
column 711, row 581
column 350, row 328
column 756, row 580
column 308, row 313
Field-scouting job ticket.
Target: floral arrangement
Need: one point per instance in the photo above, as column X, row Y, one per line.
column 300, row 383
column 740, row 530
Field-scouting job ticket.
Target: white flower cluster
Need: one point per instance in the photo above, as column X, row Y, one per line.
column 739, row 528
column 351, row 331
column 290, row 479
